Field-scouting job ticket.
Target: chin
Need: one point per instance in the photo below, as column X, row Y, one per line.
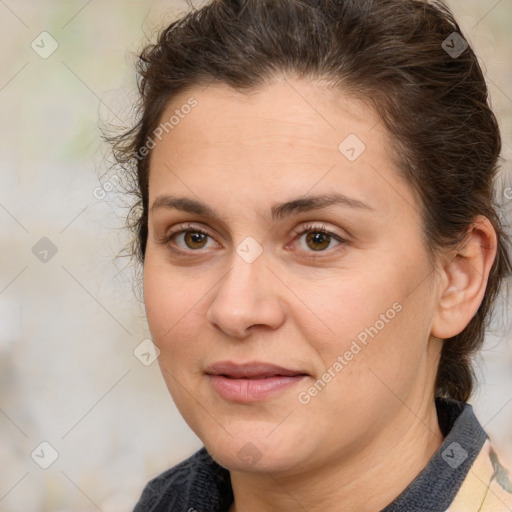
column 249, row 458
column 256, row 454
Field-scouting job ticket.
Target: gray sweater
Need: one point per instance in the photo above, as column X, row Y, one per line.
column 199, row 484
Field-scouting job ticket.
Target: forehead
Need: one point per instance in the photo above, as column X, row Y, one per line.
column 289, row 136
column 283, row 106
column 292, row 118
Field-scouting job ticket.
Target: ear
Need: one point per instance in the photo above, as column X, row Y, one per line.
column 463, row 282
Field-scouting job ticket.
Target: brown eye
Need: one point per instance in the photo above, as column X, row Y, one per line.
column 189, row 239
column 318, row 241
column 195, row 239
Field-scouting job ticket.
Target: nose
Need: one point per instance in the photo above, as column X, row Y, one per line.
column 247, row 298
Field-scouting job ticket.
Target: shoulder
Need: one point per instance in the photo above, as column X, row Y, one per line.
column 488, row 485
column 464, row 475
column 185, row 486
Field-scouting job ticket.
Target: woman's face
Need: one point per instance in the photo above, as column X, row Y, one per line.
column 282, row 345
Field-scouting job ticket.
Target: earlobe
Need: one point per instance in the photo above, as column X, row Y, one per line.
column 464, row 282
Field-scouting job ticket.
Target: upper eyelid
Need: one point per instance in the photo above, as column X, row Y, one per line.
column 311, row 226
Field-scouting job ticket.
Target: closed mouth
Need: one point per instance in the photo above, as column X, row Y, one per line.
column 253, row 370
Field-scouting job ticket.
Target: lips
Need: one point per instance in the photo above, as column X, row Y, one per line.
column 250, row 370
column 251, row 382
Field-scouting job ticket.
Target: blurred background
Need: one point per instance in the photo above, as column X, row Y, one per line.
column 85, row 418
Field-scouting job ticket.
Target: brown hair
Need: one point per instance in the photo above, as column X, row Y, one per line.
column 394, row 54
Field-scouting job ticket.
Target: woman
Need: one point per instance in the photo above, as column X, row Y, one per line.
column 321, row 254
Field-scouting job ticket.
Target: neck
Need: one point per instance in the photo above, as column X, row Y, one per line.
column 385, row 466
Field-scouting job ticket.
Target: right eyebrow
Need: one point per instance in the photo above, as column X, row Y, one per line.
column 183, row 204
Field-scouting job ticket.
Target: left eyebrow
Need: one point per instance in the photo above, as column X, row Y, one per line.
column 307, row 203
column 277, row 211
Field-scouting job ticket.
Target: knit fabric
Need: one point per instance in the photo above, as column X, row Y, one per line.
column 464, row 475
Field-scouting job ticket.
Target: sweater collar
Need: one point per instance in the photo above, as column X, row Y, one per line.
column 432, row 490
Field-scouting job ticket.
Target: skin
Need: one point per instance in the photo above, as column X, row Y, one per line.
column 374, row 425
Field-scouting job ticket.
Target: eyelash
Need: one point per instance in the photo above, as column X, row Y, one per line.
column 319, row 228
column 296, row 234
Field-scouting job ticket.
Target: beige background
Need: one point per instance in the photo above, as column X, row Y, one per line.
column 69, row 326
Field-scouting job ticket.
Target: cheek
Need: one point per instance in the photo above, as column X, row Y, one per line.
column 372, row 321
column 172, row 305
column 173, row 315
column 351, row 309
